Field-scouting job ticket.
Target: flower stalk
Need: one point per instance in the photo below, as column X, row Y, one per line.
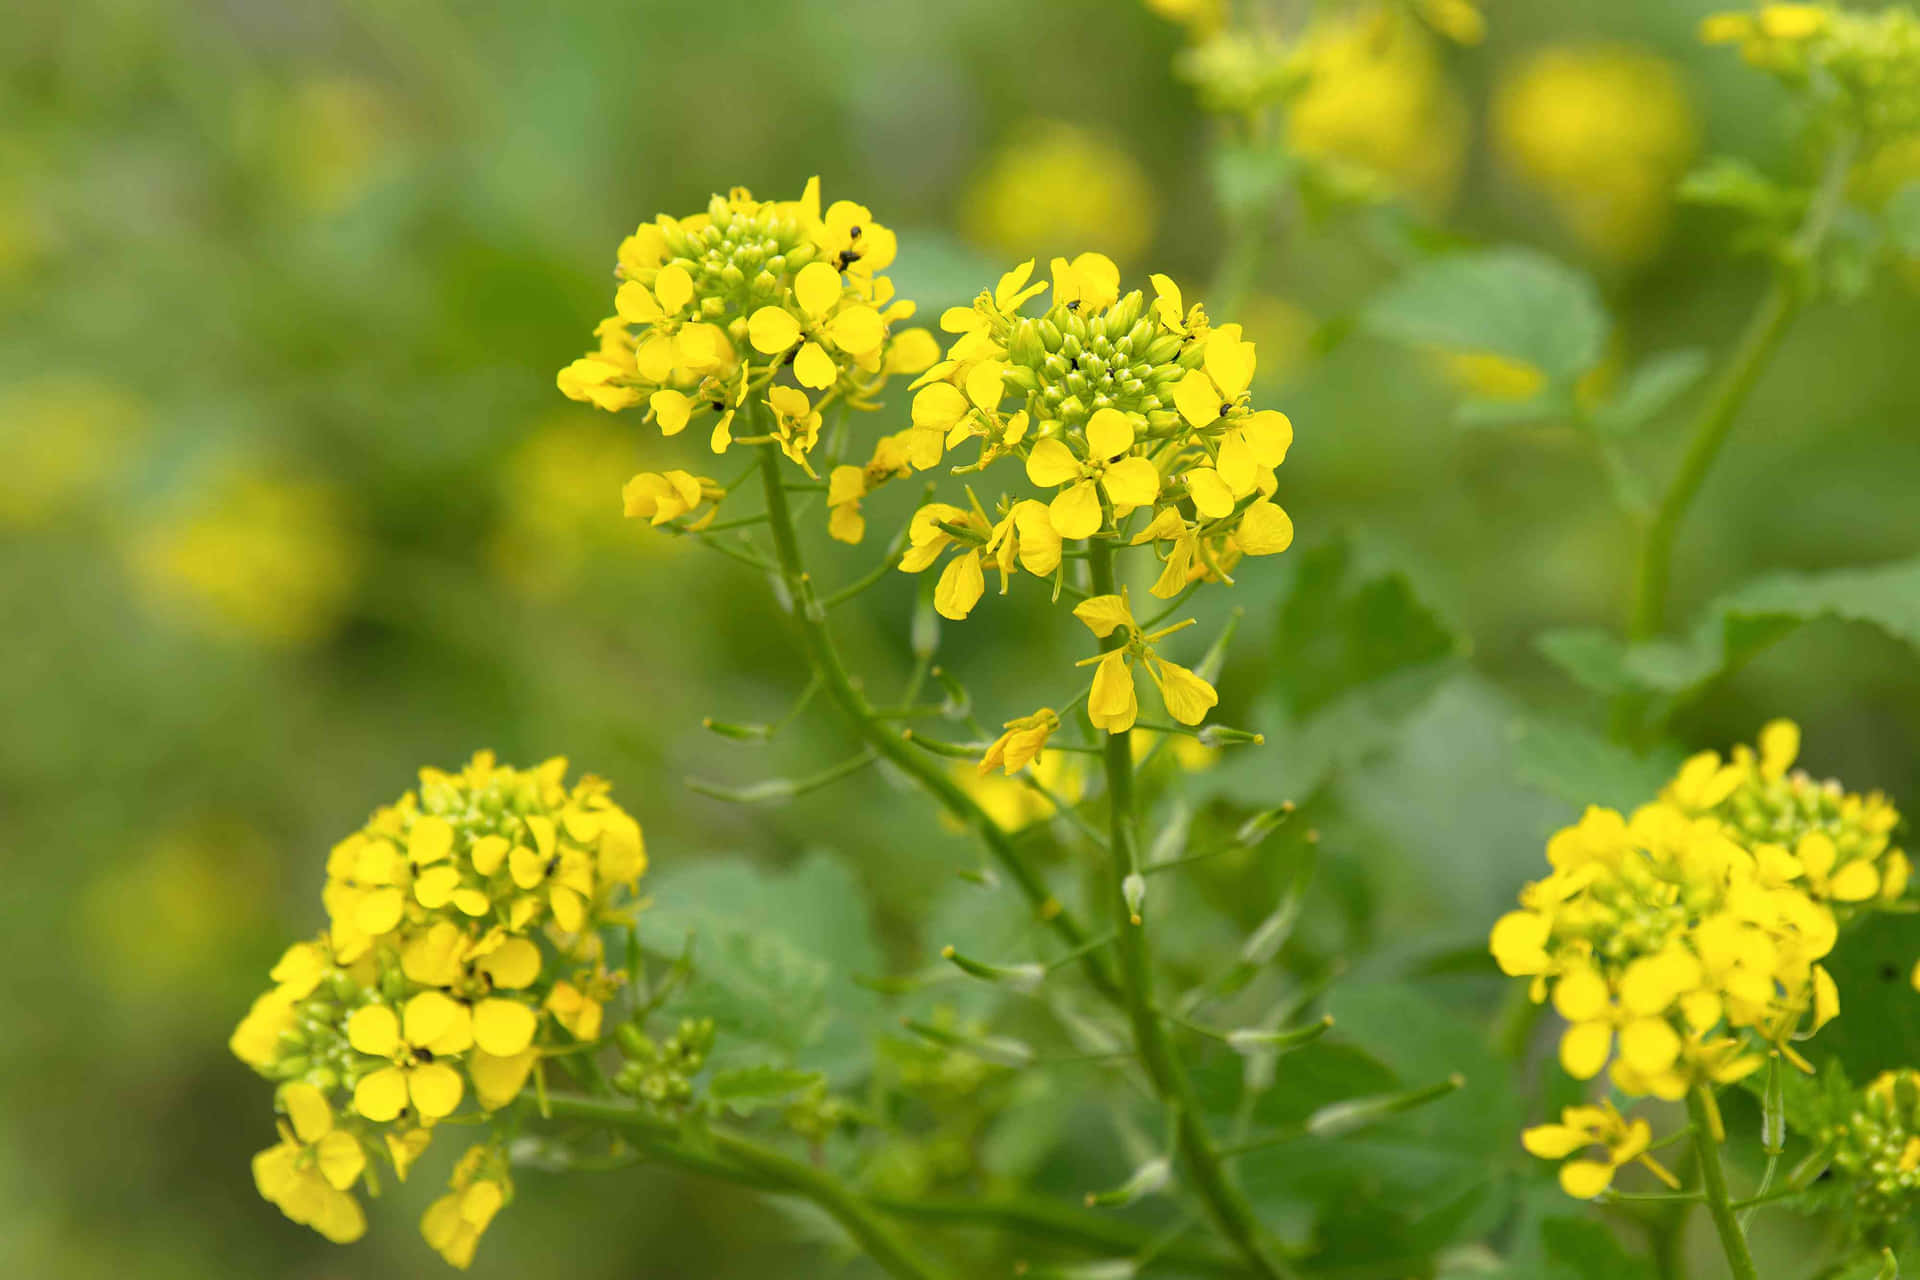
column 1713, row 1182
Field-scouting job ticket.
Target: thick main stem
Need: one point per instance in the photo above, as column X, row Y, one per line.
column 885, row 739
column 768, row 1170
column 1713, row 1182
column 1784, row 300
column 1225, row 1203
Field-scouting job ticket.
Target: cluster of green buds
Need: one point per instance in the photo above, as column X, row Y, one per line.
column 1876, row 1150
column 464, row 948
column 714, row 307
column 661, row 1072
column 1861, row 70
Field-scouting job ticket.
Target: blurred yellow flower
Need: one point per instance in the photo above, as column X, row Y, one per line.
column 1377, row 109
column 1199, row 17
column 1011, row 801
column 1604, row 132
column 1056, row 187
column 1283, row 331
column 252, row 554
column 62, row 437
column 165, row 920
column 556, row 513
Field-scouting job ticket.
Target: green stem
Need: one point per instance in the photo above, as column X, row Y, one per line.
column 765, row 1169
column 1713, row 1184
column 932, row 777
column 1225, row 1202
column 1783, row 302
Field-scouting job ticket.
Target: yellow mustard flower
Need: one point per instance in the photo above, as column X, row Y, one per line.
column 62, row 437
column 430, row 1029
column 1622, row 1142
column 308, row 1173
column 1025, row 738
column 1834, row 845
column 1057, row 186
column 1670, row 949
column 554, row 514
column 714, row 306
column 1605, row 132
column 660, row 496
column 253, row 555
column 1113, row 704
column 478, row 1190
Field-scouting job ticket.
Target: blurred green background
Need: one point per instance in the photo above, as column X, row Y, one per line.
column 289, row 505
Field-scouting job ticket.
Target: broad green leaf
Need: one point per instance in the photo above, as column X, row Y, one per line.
column 1738, row 626
column 1356, row 651
column 1515, row 303
column 1879, row 1024
column 747, row 1089
column 775, row 954
column 1583, row 768
column 1651, row 389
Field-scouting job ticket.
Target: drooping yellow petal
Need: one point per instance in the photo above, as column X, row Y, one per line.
column 1270, row 433
column 498, row 1081
column 814, row 368
column 1585, row 1179
column 308, row 1111
column 1553, row 1141
column 671, row 409
column 1113, row 705
column 436, row 1089
column 503, row 1027
column 1211, row 496
column 1104, row 613
column 381, row 1096
column 961, row 585
column 1264, row 530
column 1076, row 511
column 1187, row 696
column 340, row 1159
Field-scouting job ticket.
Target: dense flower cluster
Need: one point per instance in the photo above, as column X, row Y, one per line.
column 1877, row 1151
column 1836, row 845
column 464, row 942
column 1671, row 950
column 1862, row 69
column 713, row 307
column 1115, row 405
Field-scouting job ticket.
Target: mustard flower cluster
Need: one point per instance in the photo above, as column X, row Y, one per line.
column 1876, row 1149
column 463, row 944
column 1835, row 844
column 1671, row 950
column 713, row 307
column 1862, row 68
column 1114, row 405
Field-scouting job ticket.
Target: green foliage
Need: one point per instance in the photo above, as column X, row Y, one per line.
column 1507, row 302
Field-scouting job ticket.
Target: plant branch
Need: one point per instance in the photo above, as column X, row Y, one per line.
column 1225, row 1203
column 827, row 663
column 1713, row 1185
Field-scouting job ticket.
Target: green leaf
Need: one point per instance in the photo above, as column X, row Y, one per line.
column 775, row 954
column 1583, row 1249
column 1583, row 768
column 1879, row 1024
column 1508, row 302
column 1356, row 651
column 1651, row 389
column 1903, row 220
column 1738, row 626
column 747, row 1089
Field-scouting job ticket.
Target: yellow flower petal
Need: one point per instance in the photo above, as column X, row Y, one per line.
column 381, row 1096
column 1109, row 434
column 939, row 404
column 1188, row 698
column 308, row 1111
column 814, row 368
column 1553, row 1141
column 1051, row 463
column 1076, row 511
column 1649, row 1045
column 1197, row 399
column 435, row 1088
column 1112, row 705
column 674, row 288
column 772, row 330
column 428, row 1016
column 1585, row 1179
column 1104, row 613
column 430, row 840
column 817, row 288
column 1584, row 1049
column 503, row 1027
column 1229, row 361
column 961, row 585
column 1211, row 496
column 858, row 331
column 498, row 1081
column 1270, row 433
column 374, row 1029
column 1264, row 530
column 671, row 409
column 1131, row 482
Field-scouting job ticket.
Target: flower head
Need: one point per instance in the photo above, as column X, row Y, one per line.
column 1620, row 1142
column 464, row 943
column 712, row 307
column 1669, row 949
column 1113, row 704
